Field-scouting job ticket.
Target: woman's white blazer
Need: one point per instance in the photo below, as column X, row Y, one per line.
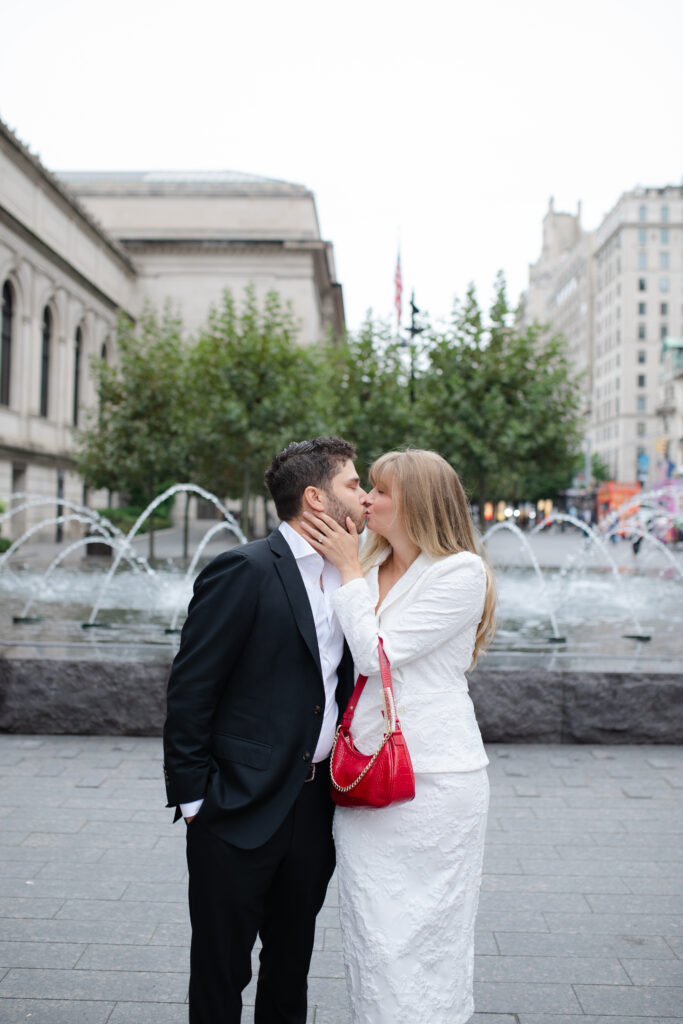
column 428, row 623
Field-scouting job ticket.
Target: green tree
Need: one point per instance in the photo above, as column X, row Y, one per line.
column 599, row 469
column 366, row 393
column 135, row 440
column 500, row 405
column 252, row 389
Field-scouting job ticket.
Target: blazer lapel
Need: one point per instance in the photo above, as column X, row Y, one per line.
column 406, row 581
column 288, row 570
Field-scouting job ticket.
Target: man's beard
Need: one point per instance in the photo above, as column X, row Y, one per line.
column 339, row 511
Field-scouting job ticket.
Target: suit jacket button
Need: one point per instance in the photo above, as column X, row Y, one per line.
column 307, row 755
column 317, row 710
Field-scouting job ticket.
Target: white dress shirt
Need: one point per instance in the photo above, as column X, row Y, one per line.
column 321, row 580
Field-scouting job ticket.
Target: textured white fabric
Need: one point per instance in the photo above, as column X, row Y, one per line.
column 409, row 878
column 409, row 875
column 428, row 622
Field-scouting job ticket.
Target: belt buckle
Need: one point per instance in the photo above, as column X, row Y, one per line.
column 311, row 773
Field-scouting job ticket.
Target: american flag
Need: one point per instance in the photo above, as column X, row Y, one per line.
column 399, row 289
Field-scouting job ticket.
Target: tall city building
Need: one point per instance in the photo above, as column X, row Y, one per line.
column 560, row 292
column 632, row 273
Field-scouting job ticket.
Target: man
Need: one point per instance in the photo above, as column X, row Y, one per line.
column 254, row 696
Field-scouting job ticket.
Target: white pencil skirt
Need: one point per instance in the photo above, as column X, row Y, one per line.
column 409, row 878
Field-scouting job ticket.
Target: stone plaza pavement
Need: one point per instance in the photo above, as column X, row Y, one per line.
column 581, row 913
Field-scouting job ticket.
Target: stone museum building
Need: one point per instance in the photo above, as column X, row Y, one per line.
column 76, row 248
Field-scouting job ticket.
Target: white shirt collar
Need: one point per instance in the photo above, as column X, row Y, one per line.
column 298, row 545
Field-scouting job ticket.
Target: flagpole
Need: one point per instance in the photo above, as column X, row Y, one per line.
column 398, row 291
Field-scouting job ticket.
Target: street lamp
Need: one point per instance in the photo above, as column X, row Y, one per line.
column 413, row 331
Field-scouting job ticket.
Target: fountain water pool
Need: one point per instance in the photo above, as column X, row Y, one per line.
column 572, row 586
column 603, row 598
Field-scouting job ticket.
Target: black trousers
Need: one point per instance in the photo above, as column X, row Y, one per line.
column 276, row 891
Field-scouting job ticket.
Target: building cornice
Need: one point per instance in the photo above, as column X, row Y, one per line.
column 55, row 258
column 37, row 457
column 64, row 197
column 198, row 184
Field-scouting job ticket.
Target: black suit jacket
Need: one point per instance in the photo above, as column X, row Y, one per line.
column 245, row 696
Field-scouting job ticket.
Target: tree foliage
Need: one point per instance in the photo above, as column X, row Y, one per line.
column 365, row 392
column 252, row 390
column 135, row 441
column 500, row 405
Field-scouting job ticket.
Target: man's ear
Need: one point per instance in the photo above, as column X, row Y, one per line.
column 312, row 500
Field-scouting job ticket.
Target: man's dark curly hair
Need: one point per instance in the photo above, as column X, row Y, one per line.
column 305, row 464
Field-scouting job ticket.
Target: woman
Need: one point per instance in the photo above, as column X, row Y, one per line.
column 409, row 874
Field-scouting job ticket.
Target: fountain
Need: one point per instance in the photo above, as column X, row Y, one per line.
column 135, row 609
column 588, row 646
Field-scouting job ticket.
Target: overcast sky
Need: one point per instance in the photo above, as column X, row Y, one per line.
column 447, row 124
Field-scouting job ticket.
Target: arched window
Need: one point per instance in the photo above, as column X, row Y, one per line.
column 78, row 348
column 45, row 362
column 6, row 345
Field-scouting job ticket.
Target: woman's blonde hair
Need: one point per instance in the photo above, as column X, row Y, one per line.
column 433, row 508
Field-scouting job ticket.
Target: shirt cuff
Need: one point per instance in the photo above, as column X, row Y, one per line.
column 187, row 810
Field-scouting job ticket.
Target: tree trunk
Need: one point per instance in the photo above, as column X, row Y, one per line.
column 150, row 554
column 265, row 515
column 244, row 511
column 186, row 528
column 481, row 497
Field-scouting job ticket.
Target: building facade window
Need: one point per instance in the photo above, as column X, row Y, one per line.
column 103, row 352
column 641, row 332
column 642, row 355
column 664, row 308
column 663, row 332
column 78, row 350
column 641, row 380
column 663, row 261
column 45, row 362
column 642, row 284
column 642, row 236
column 6, row 345
column 642, row 213
column 642, row 308
column 664, row 284
column 642, row 261
column 665, row 213
column 664, row 236
column 640, row 429
column 640, row 403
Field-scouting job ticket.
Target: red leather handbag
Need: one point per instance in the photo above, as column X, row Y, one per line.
column 372, row 780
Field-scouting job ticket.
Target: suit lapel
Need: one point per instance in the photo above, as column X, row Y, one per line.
column 288, row 570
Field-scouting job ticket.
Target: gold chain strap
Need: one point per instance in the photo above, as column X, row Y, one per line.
column 345, row 789
column 392, row 724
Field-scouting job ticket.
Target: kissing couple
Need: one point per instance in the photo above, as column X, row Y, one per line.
column 275, row 633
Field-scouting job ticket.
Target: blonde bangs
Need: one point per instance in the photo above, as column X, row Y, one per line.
column 380, row 473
